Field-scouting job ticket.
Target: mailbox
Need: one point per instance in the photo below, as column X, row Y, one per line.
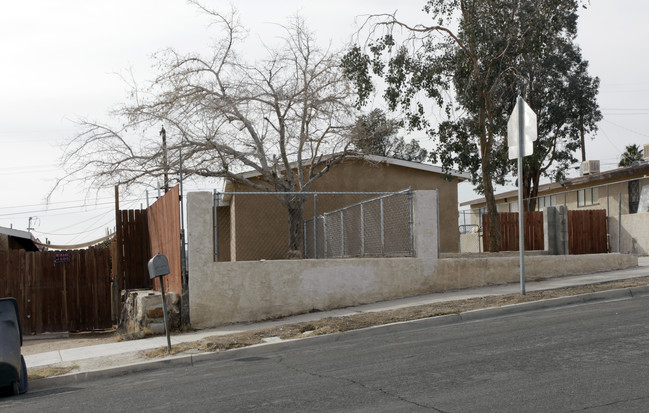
column 158, row 266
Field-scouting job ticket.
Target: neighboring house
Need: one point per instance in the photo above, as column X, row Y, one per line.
column 247, row 221
column 618, row 191
column 14, row 239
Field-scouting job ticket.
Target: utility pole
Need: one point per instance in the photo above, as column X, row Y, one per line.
column 165, row 166
column 29, row 224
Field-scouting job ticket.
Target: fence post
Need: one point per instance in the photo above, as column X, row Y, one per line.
column 411, row 223
column 216, row 224
column 324, row 235
column 566, row 235
column 608, row 211
column 306, row 255
column 315, row 225
column 619, row 222
column 342, row 234
column 362, row 230
column 439, row 232
column 381, row 213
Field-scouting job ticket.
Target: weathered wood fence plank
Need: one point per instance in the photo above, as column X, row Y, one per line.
column 66, row 296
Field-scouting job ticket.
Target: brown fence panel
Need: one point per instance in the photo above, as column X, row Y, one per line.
column 163, row 219
column 587, row 233
column 509, row 231
column 135, row 249
column 144, row 233
column 65, row 296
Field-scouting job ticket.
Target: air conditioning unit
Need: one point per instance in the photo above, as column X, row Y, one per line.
column 645, row 152
column 589, row 167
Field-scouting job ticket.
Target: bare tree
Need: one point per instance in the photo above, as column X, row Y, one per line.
column 286, row 117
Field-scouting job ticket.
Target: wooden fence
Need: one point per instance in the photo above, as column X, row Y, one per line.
column 587, row 232
column 143, row 233
column 509, row 231
column 58, row 290
column 163, row 222
column 132, row 242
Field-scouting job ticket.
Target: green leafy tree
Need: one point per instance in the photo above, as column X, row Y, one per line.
column 631, row 154
column 563, row 94
column 375, row 134
column 472, row 59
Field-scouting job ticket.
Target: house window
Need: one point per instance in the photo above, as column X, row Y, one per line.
column 513, row 206
column 587, row 197
column 546, row 201
column 634, row 196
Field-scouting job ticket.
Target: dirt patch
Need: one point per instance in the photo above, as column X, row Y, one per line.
column 39, row 345
column 357, row 321
column 49, row 371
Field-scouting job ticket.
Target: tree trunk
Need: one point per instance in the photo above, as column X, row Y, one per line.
column 295, row 229
column 528, row 203
column 531, row 178
column 492, row 212
column 581, row 137
column 487, row 183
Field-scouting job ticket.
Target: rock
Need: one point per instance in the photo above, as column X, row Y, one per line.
column 142, row 313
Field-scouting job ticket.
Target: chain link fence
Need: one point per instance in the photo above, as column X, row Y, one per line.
column 260, row 226
column 377, row 227
column 470, row 228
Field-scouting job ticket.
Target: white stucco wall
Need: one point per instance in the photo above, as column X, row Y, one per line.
column 229, row 292
column 635, row 234
column 471, row 242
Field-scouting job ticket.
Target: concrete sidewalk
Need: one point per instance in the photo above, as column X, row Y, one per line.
column 113, row 356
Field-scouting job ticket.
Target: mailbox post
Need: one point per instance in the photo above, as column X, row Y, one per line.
column 159, row 267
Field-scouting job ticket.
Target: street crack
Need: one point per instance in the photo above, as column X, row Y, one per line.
column 357, row 383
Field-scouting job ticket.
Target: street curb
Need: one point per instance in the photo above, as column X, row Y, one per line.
column 74, row 378
column 438, row 321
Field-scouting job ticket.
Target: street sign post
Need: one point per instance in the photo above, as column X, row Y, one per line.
column 521, row 132
column 158, row 266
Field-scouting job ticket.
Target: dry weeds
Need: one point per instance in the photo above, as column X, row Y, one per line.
column 333, row 325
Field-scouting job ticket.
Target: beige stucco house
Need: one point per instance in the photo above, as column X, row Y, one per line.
column 250, row 226
column 619, row 191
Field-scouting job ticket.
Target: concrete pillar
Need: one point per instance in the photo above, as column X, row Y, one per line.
column 552, row 231
column 200, row 227
column 426, row 224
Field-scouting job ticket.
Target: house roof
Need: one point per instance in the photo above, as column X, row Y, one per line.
column 581, row 181
column 24, row 238
column 461, row 176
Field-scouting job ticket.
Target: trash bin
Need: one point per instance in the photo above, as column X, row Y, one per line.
column 13, row 371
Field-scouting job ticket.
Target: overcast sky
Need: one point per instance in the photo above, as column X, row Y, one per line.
column 63, row 60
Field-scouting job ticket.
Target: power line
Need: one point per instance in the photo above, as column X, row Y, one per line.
column 626, row 129
column 51, row 234
column 47, row 210
column 46, row 205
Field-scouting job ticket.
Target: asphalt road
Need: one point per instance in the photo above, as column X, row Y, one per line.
column 591, row 357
